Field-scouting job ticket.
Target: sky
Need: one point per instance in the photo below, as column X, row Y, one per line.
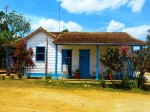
column 131, row 16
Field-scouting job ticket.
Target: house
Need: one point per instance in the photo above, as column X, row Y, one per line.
column 59, row 54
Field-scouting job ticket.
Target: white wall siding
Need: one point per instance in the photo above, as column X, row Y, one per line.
column 40, row 39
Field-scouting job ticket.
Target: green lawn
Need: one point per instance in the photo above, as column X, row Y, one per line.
column 41, row 83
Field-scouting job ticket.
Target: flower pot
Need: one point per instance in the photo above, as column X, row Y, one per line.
column 8, row 74
column 77, row 75
column 109, row 76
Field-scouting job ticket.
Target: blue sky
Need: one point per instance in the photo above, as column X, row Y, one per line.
column 132, row 16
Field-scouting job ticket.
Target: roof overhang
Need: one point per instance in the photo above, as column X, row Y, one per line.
column 103, row 44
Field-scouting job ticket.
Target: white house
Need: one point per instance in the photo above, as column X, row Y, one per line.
column 59, row 54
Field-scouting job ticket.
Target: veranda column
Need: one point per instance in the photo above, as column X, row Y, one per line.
column 56, row 61
column 131, row 69
column 132, row 50
column 97, row 58
column 141, row 48
column 7, row 59
column 130, row 66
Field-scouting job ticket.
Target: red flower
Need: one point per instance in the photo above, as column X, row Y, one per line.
column 124, row 49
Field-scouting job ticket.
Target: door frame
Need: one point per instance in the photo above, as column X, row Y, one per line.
column 69, row 75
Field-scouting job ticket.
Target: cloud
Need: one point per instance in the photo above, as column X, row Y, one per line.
column 139, row 32
column 136, row 5
column 115, row 26
column 53, row 25
column 91, row 6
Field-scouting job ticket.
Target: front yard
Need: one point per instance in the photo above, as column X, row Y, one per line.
column 29, row 95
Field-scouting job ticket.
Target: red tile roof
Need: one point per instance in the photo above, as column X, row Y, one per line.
column 86, row 38
column 99, row 38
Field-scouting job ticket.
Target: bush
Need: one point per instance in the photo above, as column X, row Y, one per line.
column 3, row 77
column 48, row 77
column 103, row 83
column 11, row 77
column 127, row 84
column 146, row 87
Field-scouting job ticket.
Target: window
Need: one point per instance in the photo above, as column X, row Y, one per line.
column 40, row 53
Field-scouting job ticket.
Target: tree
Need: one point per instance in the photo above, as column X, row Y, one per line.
column 117, row 60
column 65, row 30
column 12, row 26
column 148, row 42
column 140, row 59
column 148, row 37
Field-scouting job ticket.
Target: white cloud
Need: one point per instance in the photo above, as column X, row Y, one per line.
column 53, row 25
column 138, row 32
column 136, row 5
column 91, row 6
column 115, row 26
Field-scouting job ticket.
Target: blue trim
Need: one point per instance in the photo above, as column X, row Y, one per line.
column 56, row 60
column 40, row 53
column 43, row 75
column 7, row 58
column 97, row 58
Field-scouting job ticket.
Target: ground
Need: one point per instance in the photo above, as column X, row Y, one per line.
column 32, row 99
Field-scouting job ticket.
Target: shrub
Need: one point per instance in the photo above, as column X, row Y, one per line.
column 127, row 84
column 103, row 83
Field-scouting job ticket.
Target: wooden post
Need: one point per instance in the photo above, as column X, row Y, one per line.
column 7, row 59
column 56, row 61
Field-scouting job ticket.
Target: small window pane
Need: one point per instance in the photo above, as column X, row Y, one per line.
column 40, row 49
column 40, row 57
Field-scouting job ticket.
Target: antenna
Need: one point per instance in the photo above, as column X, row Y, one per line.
column 59, row 15
column 6, row 10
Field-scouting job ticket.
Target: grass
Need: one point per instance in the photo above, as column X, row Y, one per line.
column 52, row 84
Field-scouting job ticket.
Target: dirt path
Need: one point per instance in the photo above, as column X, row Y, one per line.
column 52, row 100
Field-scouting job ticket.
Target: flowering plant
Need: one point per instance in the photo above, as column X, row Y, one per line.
column 23, row 57
column 116, row 59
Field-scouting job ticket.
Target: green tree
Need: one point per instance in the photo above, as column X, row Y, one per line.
column 148, row 37
column 65, row 30
column 140, row 59
column 12, row 26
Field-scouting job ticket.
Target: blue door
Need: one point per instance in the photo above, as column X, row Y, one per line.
column 84, row 63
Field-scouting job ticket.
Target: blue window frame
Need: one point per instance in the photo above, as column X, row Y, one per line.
column 40, row 53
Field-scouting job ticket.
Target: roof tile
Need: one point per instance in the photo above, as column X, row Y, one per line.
column 97, row 38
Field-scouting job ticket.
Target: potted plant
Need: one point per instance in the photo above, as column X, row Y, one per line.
column 109, row 74
column 77, row 73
